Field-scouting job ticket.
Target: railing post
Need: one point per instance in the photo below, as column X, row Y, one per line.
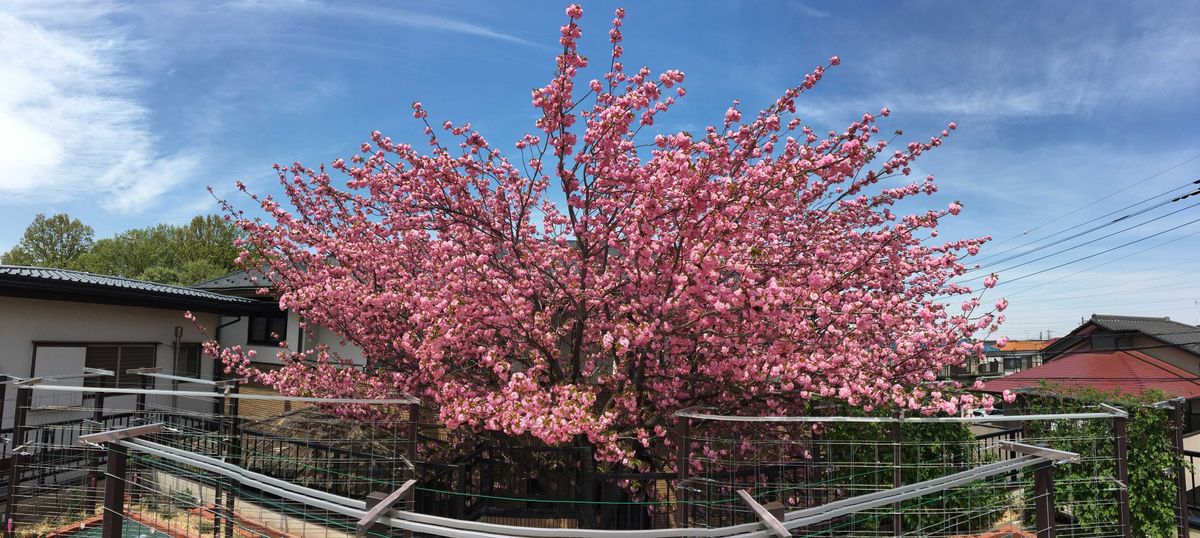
column 114, row 492
column 3, row 394
column 1122, row 435
column 414, row 433
column 93, row 481
column 897, row 519
column 1043, row 486
column 681, row 464
column 24, row 400
column 140, row 413
column 1180, row 480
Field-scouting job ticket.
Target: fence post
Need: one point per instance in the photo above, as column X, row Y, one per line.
column 681, row 464
column 588, row 485
column 1043, row 486
column 897, row 520
column 219, row 409
column 460, row 504
column 235, row 457
column 93, row 483
column 24, row 399
column 414, row 432
column 114, row 492
column 1181, row 481
column 1122, row 435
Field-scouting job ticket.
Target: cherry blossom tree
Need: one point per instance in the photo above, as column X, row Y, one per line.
column 756, row 266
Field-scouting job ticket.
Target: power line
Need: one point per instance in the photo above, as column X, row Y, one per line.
column 1106, row 251
column 1110, row 195
column 1085, row 243
column 1152, row 247
column 1089, row 230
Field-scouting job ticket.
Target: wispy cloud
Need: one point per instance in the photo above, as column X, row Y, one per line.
column 1028, row 68
column 378, row 15
column 71, row 123
column 807, row 10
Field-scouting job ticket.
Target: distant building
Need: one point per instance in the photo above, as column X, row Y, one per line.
column 1017, row 355
column 1170, row 341
column 264, row 332
column 1014, row 356
column 1127, row 353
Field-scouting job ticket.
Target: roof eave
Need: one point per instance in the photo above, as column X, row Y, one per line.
column 54, row 291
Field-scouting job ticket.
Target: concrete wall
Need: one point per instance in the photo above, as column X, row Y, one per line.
column 25, row 321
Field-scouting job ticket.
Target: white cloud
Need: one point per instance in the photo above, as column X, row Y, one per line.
column 71, row 123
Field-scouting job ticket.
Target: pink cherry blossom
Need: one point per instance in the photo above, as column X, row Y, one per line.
column 752, row 267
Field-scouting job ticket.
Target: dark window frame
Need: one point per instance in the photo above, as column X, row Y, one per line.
column 189, row 351
column 261, row 332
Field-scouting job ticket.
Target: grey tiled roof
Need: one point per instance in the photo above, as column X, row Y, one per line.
column 235, row 280
column 1172, row 332
column 63, row 284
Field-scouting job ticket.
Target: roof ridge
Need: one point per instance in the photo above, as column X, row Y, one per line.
column 1122, row 316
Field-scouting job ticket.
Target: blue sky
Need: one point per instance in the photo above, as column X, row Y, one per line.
column 121, row 113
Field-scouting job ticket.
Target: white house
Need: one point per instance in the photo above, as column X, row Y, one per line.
column 55, row 322
column 264, row 331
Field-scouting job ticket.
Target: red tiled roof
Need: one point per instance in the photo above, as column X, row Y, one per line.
column 1131, row 371
column 1025, row 345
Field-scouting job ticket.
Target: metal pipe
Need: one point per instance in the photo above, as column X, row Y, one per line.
column 970, row 420
column 242, row 396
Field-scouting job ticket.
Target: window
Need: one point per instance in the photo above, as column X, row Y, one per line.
column 1103, row 342
column 119, row 358
column 267, row 330
column 187, row 362
column 1108, row 342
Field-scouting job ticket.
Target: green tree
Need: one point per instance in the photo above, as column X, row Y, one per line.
column 130, row 253
column 51, row 242
column 181, row 255
column 207, row 239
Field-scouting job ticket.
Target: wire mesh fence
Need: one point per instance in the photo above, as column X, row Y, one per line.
column 56, row 483
column 209, row 471
column 803, row 463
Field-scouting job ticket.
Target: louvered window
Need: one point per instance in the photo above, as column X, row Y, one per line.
column 119, row 359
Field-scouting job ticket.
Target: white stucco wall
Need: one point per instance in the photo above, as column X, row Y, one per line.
column 25, row 321
column 236, row 334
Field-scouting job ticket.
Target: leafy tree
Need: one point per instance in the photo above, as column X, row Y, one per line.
column 755, row 266
column 182, row 255
column 129, row 253
column 50, row 242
